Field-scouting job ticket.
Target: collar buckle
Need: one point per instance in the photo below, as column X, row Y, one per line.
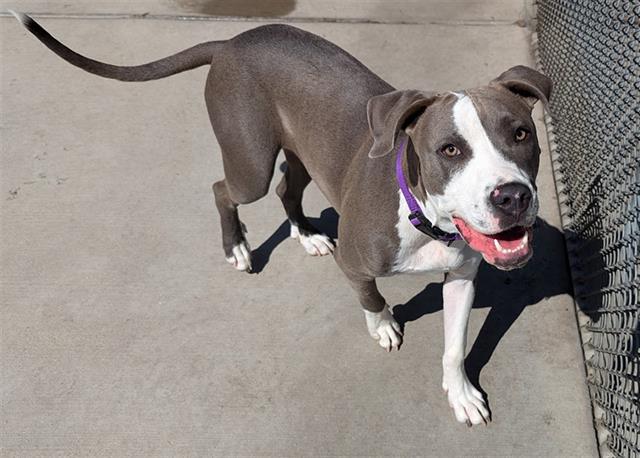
column 420, row 222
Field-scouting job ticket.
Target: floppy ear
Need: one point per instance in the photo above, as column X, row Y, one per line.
column 388, row 113
column 527, row 83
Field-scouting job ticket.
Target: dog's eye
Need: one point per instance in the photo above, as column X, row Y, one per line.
column 450, row 150
column 521, row 134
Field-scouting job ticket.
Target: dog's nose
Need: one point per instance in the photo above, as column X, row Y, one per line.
column 511, row 198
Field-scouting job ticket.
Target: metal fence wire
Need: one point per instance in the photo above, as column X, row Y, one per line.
column 591, row 51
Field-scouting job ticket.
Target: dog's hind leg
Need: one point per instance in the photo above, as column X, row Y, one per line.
column 249, row 142
column 290, row 190
column 235, row 245
column 247, row 179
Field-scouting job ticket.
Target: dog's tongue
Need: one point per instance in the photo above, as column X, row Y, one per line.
column 503, row 247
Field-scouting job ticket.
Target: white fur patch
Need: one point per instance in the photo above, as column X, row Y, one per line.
column 466, row 194
column 384, row 328
column 420, row 253
column 466, row 401
column 314, row 244
column 241, row 257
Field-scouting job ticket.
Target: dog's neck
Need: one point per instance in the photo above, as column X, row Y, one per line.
column 412, row 171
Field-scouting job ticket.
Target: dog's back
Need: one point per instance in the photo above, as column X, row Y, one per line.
column 283, row 80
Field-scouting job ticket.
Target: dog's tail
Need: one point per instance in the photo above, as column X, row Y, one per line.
column 188, row 59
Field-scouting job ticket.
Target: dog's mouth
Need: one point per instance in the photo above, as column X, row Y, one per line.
column 506, row 250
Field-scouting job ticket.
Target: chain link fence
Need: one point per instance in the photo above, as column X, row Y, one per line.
column 591, row 50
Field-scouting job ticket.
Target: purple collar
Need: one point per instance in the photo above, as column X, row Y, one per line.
column 417, row 218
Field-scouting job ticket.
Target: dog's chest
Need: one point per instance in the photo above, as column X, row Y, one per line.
column 418, row 253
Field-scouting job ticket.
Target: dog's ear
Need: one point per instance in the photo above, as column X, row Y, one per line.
column 391, row 112
column 527, row 83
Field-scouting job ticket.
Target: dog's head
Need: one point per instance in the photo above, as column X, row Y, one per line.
column 478, row 154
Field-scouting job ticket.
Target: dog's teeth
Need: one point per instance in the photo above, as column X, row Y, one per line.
column 520, row 246
column 499, row 247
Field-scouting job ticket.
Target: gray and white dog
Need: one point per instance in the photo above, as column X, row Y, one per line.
column 422, row 181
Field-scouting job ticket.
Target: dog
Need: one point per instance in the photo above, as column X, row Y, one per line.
column 423, row 181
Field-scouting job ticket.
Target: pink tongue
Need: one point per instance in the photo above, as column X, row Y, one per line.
column 476, row 240
column 481, row 244
column 485, row 243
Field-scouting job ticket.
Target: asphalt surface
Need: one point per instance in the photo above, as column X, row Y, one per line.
column 124, row 331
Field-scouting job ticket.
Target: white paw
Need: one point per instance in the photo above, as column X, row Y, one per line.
column 314, row 244
column 384, row 328
column 465, row 400
column 241, row 257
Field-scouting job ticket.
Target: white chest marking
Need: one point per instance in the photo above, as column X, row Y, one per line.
column 420, row 253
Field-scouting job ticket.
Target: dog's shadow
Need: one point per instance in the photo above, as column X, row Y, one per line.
column 506, row 293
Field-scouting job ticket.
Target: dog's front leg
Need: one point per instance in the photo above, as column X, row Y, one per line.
column 458, row 293
column 380, row 322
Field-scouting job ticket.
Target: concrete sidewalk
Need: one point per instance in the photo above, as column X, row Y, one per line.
column 124, row 332
column 396, row 11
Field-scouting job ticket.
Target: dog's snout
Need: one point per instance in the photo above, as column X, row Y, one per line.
column 513, row 199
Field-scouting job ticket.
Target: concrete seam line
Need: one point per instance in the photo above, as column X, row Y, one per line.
column 199, row 18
